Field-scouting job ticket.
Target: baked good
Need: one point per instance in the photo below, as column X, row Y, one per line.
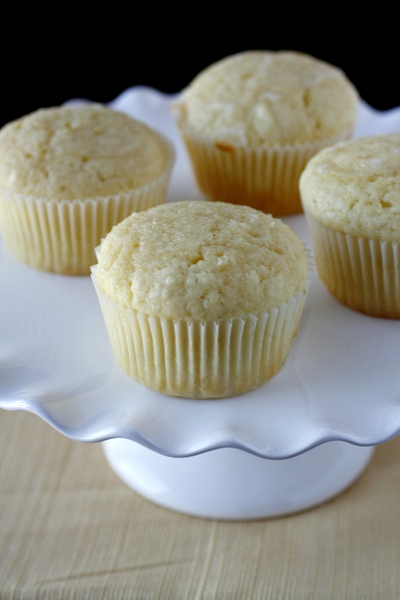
column 201, row 299
column 68, row 174
column 351, row 196
column 251, row 121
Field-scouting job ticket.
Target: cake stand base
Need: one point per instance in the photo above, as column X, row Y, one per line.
column 228, row 483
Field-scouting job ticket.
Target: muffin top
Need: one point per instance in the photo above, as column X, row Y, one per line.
column 202, row 261
column 79, row 152
column 354, row 187
column 260, row 98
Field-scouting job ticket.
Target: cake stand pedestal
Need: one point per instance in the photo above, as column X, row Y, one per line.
column 228, row 483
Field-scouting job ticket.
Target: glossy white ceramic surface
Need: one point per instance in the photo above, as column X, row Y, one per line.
column 340, row 382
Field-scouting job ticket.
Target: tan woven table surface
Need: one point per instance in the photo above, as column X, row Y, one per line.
column 71, row 529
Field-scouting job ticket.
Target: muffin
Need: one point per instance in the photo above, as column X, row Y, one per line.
column 351, row 196
column 251, row 121
column 68, row 175
column 201, row 299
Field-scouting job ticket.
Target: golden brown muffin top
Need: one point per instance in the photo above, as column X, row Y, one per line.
column 202, row 261
column 263, row 97
column 354, row 187
column 79, row 152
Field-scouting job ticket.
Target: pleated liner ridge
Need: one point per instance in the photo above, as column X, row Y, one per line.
column 362, row 273
column 211, row 359
column 265, row 178
column 61, row 235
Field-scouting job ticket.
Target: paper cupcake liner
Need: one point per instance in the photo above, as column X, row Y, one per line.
column 265, row 178
column 211, row 359
column 60, row 235
column 362, row 273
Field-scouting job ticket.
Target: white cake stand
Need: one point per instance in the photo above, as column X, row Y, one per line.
column 232, row 484
column 297, row 441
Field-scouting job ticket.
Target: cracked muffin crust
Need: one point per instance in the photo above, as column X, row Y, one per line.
column 355, row 187
column 202, row 261
column 78, row 152
column 263, row 97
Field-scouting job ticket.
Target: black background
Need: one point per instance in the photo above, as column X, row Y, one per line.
column 47, row 59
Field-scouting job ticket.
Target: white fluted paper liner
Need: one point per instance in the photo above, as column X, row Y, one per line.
column 61, row 235
column 212, row 359
column 265, row 178
column 362, row 273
